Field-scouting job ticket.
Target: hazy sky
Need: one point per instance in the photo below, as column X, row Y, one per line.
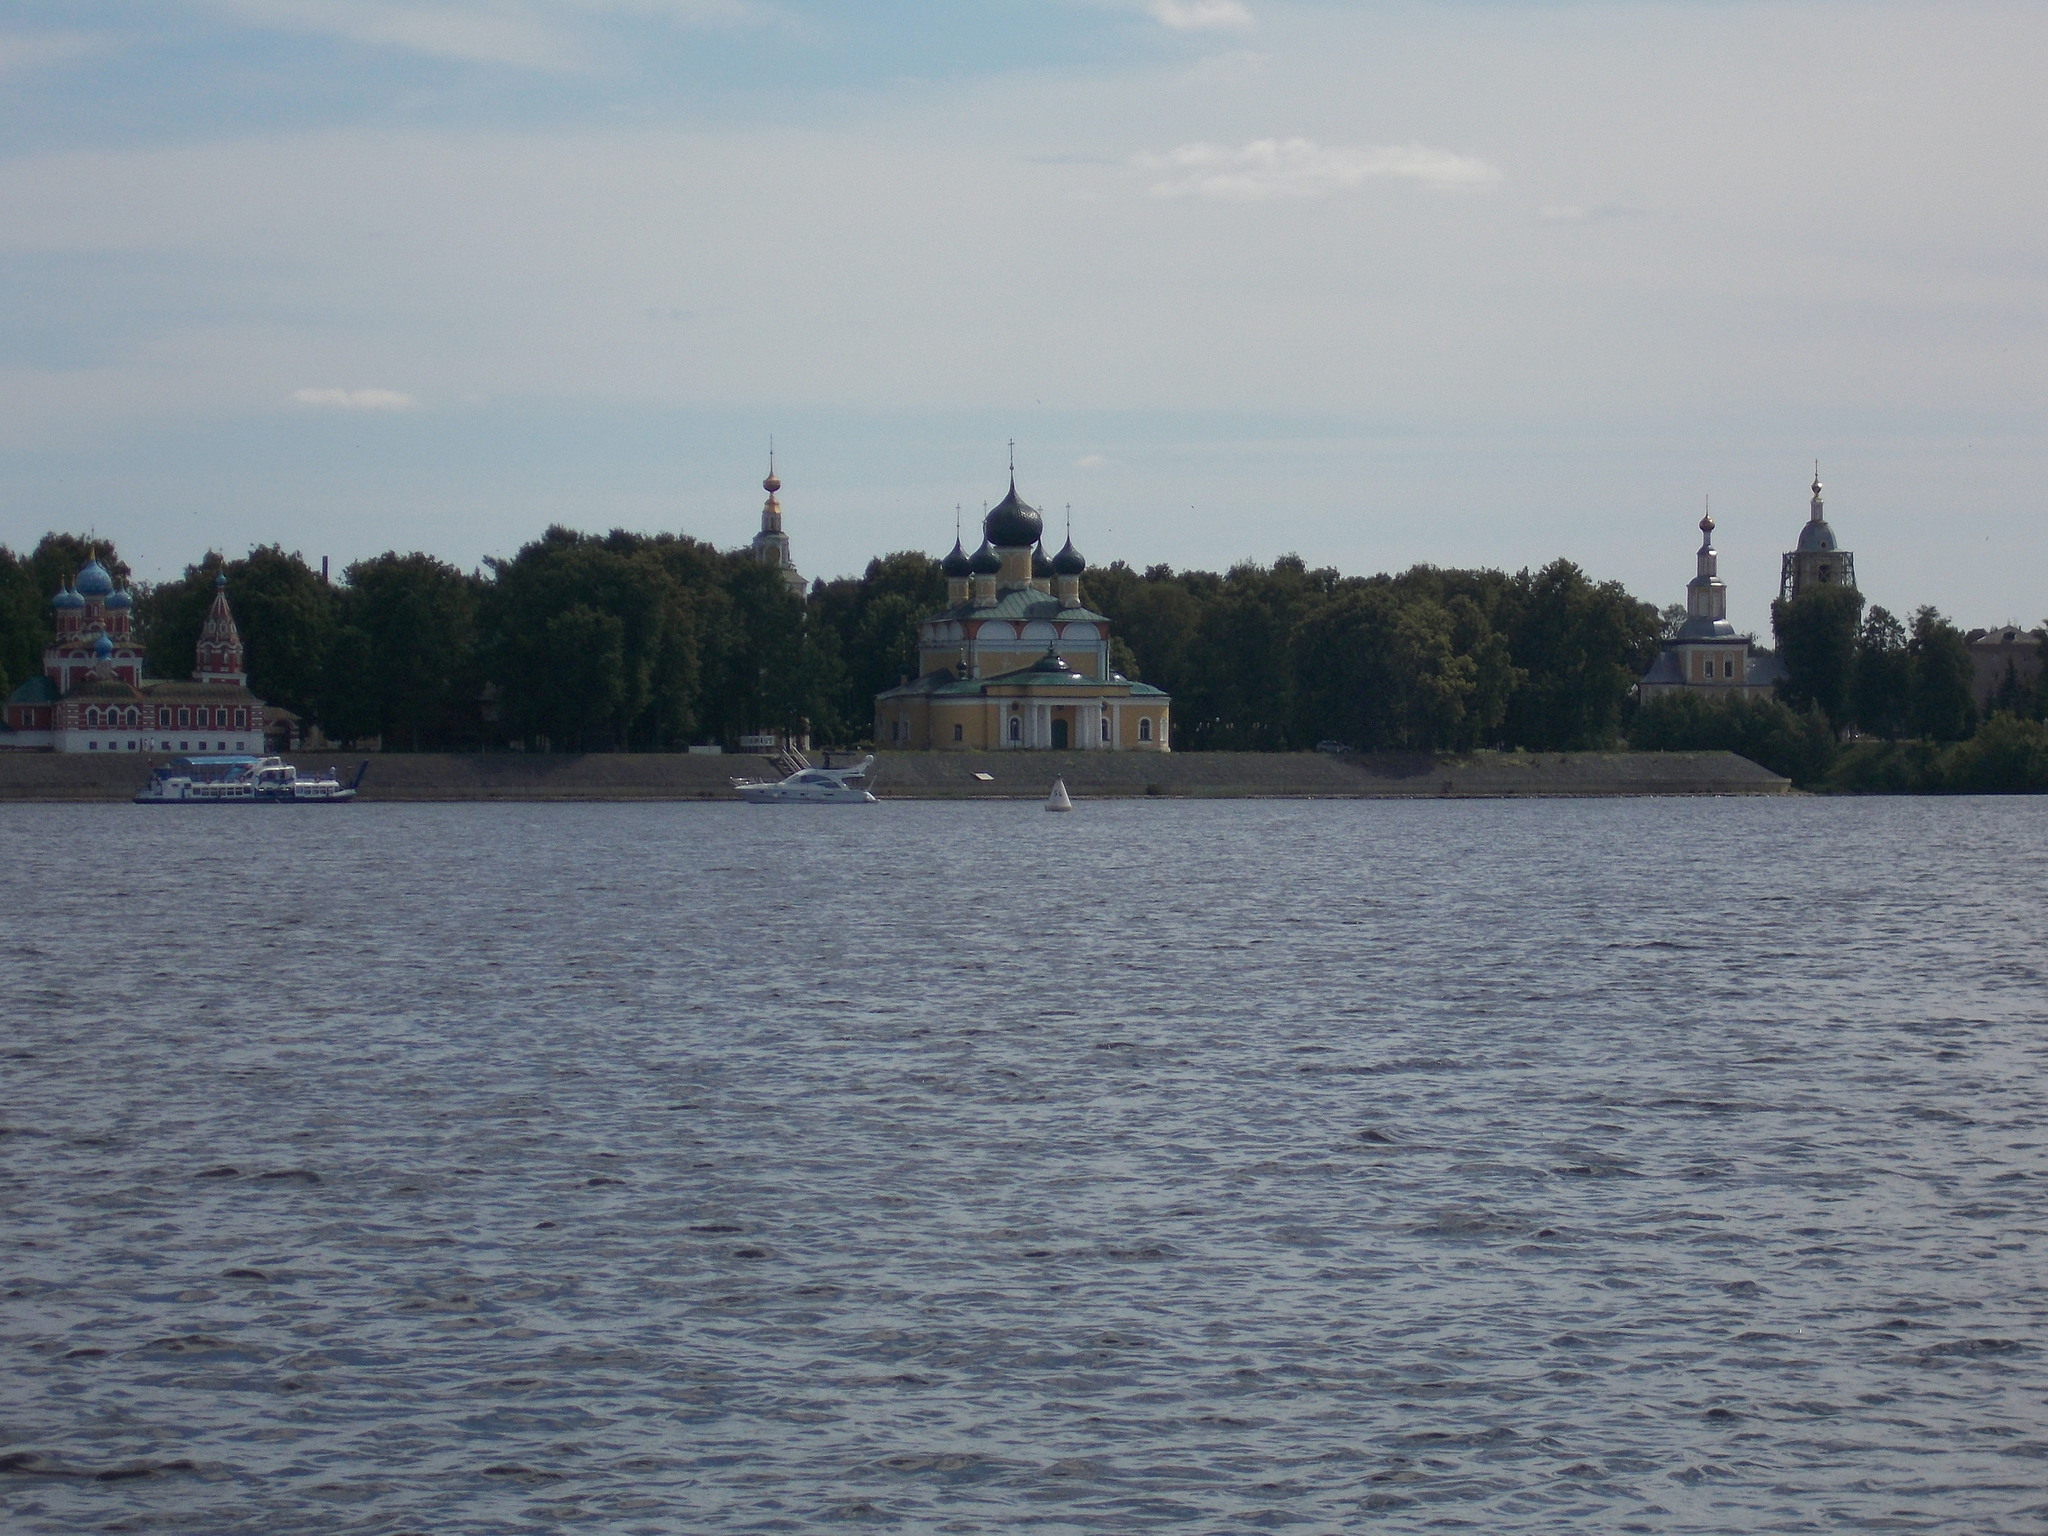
column 1458, row 282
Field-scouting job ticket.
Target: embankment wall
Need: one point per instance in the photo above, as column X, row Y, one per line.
column 951, row 775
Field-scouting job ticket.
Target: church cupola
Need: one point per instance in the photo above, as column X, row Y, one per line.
column 220, row 643
column 958, row 569
column 70, row 609
column 1013, row 528
column 1816, row 562
column 771, row 544
column 1706, row 595
column 1041, row 570
column 1067, row 568
column 985, row 566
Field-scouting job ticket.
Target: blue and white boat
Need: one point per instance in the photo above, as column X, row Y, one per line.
column 229, row 780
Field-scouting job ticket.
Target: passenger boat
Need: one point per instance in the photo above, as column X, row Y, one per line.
column 810, row 786
column 244, row 781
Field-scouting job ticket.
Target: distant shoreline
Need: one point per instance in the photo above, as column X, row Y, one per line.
column 667, row 776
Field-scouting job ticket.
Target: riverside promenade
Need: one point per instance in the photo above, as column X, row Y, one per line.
column 533, row 776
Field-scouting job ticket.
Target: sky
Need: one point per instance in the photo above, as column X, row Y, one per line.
column 1465, row 282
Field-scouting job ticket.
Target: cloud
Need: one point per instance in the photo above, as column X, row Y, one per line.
column 1278, row 168
column 512, row 35
column 517, row 34
column 356, row 399
column 1201, row 15
column 1090, row 461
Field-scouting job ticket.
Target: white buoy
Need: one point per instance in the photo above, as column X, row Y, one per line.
column 1058, row 800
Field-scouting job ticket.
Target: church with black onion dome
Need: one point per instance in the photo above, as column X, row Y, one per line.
column 1016, row 661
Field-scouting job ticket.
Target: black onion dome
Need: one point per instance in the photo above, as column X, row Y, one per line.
column 1040, row 566
column 1068, row 561
column 957, row 564
column 986, row 561
column 1012, row 523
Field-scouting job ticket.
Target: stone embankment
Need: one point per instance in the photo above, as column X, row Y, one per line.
column 953, row 775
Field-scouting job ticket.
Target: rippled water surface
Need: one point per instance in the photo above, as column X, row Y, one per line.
column 1570, row 1166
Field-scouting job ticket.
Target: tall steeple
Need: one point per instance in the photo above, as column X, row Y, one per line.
column 220, row 643
column 1706, row 595
column 771, row 544
column 1816, row 562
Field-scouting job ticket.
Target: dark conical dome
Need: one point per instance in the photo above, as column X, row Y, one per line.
column 986, row 561
column 1012, row 523
column 1040, row 566
column 1068, row 561
column 957, row 564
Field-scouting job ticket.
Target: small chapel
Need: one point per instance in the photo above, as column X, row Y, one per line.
column 1016, row 661
column 91, row 695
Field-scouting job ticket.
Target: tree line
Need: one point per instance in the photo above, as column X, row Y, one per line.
column 633, row 642
column 1870, row 703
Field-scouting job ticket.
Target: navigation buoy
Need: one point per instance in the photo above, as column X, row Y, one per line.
column 1058, row 800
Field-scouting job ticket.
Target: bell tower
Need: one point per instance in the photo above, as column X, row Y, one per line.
column 1816, row 562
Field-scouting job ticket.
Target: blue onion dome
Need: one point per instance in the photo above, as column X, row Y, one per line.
column 957, row 565
column 1068, row 561
column 93, row 580
column 122, row 598
column 103, row 648
column 66, row 598
column 1011, row 523
column 986, row 561
column 1040, row 566
column 220, row 581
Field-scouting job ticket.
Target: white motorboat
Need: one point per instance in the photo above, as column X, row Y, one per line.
column 244, row 781
column 811, row 786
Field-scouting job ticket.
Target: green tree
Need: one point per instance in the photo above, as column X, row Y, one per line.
column 1941, row 678
column 1798, row 744
column 1381, row 666
column 1581, row 646
column 23, row 631
column 2007, row 756
column 1881, row 693
column 405, row 654
column 1817, row 634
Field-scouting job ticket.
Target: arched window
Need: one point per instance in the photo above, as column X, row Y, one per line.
column 184, row 717
column 1144, row 729
column 92, row 715
column 1016, row 729
column 1105, row 727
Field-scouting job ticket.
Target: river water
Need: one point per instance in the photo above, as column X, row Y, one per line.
column 1651, row 1165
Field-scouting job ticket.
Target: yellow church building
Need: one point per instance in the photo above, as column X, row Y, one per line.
column 1014, row 661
